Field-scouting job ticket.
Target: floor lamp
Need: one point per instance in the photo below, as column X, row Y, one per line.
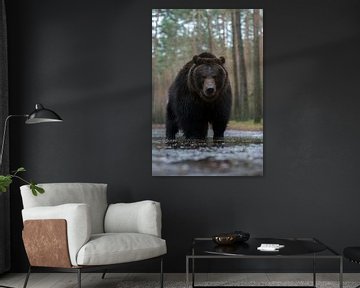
column 39, row 115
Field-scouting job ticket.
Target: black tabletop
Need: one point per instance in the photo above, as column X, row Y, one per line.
column 291, row 247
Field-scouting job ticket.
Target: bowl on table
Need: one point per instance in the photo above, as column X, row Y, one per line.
column 231, row 238
column 224, row 239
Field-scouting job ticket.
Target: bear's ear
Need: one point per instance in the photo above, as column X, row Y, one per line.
column 222, row 60
column 196, row 59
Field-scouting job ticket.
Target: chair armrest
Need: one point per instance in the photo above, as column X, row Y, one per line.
column 138, row 217
column 77, row 218
column 53, row 249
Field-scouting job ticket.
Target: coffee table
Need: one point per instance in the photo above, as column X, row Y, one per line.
column 294, row 248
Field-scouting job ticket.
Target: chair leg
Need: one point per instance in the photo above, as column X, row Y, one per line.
column 79, row 277
column 161, row 273
column 103, row 275
column 27, row 277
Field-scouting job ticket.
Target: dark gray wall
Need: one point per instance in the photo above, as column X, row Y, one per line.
column 4, row 166
column 91, row 61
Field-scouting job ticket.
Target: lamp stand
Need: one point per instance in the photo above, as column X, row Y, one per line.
column 4, row 136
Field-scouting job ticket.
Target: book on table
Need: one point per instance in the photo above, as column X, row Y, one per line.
column 270, row 247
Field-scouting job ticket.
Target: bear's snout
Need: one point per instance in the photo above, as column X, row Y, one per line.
column 210, row 90
column 209, row 87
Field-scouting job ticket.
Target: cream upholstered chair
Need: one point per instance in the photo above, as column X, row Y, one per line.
column 72, row 228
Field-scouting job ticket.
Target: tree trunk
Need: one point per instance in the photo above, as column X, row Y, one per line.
column 256, row 59
column 248, row 44
column 154, row 63
column 209, row 30
column 198, row 30
column 243, row 87
column 236, row 94
column 193, row 34
column 223, row 28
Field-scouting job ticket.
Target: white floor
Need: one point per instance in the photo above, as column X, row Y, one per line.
column 115, row 280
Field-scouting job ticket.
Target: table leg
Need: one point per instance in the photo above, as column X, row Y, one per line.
column 341, row 273
column 187, row 272
column 193, row 272
column 193, row 267
column 314, row 271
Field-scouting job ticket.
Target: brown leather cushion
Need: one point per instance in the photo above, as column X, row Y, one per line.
column 46, row 243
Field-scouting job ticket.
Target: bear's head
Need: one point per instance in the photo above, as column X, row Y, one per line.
column 207, row 76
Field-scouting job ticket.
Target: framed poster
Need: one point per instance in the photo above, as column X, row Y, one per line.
column 207, row 92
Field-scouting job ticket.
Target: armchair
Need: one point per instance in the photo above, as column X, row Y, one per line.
column 71, row 228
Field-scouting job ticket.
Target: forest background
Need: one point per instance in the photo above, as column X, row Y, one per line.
column 236, row 34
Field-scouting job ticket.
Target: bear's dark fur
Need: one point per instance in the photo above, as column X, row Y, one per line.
column 200, row 94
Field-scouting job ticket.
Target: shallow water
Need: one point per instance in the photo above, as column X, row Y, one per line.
column 240, row 154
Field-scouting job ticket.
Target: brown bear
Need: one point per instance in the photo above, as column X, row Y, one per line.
column 199, row 95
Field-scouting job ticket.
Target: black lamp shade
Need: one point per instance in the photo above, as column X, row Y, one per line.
column 42, row 115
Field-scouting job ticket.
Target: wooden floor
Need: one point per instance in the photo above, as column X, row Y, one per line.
column 116, row 280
